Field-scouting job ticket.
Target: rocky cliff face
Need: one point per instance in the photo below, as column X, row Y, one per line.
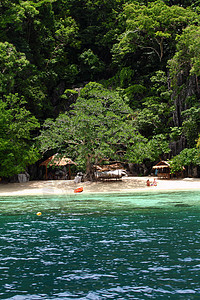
column 187, row 87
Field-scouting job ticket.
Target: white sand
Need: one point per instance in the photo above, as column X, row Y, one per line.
column 127, row 184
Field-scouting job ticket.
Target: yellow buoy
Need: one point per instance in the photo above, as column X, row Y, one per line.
column 39, row 213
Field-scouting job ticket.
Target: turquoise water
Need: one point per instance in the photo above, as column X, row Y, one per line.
column 102, row 246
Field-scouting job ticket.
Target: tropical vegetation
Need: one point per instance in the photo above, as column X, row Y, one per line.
column 99, row 81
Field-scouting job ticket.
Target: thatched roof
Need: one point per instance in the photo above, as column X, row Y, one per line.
column 110, row 167
column 162, row 164
column 57, row 160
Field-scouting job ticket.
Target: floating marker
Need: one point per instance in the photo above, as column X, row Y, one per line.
column 39, row 213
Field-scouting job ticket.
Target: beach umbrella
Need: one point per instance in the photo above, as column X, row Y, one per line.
column 58, row 160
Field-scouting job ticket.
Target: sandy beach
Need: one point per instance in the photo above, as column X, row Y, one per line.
column 127, row 184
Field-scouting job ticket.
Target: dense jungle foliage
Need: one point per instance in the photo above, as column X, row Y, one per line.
column 101, row 80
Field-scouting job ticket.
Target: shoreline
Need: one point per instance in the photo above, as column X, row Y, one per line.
column 126, row 185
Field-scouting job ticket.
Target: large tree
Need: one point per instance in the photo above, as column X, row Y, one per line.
column 98, row 127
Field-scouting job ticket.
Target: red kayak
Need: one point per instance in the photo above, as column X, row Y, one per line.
column 78, row 190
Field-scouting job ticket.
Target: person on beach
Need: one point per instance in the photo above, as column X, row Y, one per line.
column 148, row 182
column 154, row 182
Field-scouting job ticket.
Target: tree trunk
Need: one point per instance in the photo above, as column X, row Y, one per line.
column 89, row 169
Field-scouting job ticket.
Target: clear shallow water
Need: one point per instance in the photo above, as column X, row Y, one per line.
column 103, row 246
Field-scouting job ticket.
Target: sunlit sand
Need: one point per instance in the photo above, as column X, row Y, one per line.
column 127, row 184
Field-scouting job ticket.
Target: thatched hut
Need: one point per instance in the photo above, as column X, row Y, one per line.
column 59, row 161
column 162, row 169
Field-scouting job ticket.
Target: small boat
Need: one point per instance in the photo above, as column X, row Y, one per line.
column 78, row 190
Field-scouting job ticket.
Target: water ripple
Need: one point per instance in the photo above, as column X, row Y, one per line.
column 113, row 253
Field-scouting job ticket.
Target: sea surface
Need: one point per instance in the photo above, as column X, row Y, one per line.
column 100, row 246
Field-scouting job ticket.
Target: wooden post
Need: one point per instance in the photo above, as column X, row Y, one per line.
column 69, row 172
column 46, row 173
